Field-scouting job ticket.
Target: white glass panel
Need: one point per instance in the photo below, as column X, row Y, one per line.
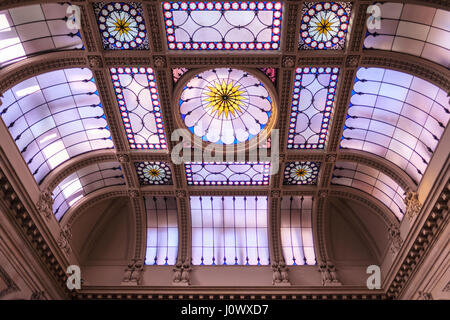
column 236, row 236
column 296, row 230
column 406, row 123
column 35, row 29
column 373, row 182
column 162, row 231
column 83, row 182
column 48, row 132
column 412, row 29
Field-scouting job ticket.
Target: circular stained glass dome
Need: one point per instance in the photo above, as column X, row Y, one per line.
column 225, row 106
column 324, row 26
column 122, row 26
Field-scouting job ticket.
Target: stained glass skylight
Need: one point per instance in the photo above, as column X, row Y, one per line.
column 153, row 173
column 138, row 99
column 422, row 31
column 227, row 173
column 36, row 29
column 301, row 172
column 229, row 230
column 225, row 105
column 372, row 181
column 121, row 25
column 162, row 231
column 223, row 25
column 312, row 106
column 296, row 230
column 83, row 182
column 396, row 116
column 324, row 25
column 55, row 116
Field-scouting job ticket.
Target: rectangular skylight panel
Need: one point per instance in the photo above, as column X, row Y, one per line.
column 223, row 25
column 138, row 99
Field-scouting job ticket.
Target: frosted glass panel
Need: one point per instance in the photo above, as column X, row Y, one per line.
column 296, row 230
column 372, row 181
column 396, row 116
column 229, row 230
column 227, row 173
column 37, row 29
column 84, row 181
column 55, row 116
column 413, row 29
column 162, row 231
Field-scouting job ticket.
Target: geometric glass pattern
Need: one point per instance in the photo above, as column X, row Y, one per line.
column 121, row 25
column 229, row 230
column 312, row 105
column 296, row 230
column 396, row 116
column 225, row 106
column 162, row 231
column 304, row 172
column 137, row 96
column 55, row 116
column 372, row 181
column 31, row 30
column 83, row 182
column 422, row 31
column 324, row 25
column 153, row 173
column 227, row 173
column 223, row 25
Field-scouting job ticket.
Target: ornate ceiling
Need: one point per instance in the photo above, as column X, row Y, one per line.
column 358, row 115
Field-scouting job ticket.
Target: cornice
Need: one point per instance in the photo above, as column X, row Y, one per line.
column 437, row 218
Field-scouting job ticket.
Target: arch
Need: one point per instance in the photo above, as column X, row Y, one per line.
column 74, row 164
column 368, row 200
column 397, row 116
column 33, row 66
column 381, row 164
column 87, row 202
column 31, row 30
column 373, row 182
column 55, row 116
column 84, row 181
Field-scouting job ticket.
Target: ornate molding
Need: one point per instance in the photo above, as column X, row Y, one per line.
column 413, row 205
column 44, row 204
column 10, row 284
column 30, row 67
column 413, row 65
column 420, row 246
column 328, row 273
column 210, row 60
column 26, row 225
column 65, row 235
column 395, row 239
column 133, row 273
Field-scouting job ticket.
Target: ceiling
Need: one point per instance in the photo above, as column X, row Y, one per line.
column 358, row 118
